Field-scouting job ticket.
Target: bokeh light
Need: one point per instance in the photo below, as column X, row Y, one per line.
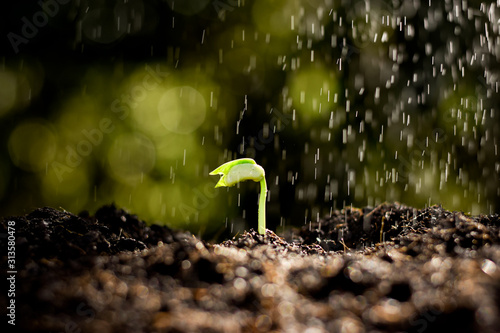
column 32, row 145
column 314, row 92
column 182, row 109
column 72, row 191
column 131, row 157
column 276, row 17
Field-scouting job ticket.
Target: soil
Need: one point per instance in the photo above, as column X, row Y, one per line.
column 390, row 268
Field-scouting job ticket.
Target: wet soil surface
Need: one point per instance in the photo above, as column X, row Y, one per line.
column 385, row 269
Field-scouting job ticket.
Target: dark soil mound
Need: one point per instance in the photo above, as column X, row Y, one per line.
column 388, row 269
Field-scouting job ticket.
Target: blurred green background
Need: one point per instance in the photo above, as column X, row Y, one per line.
column 342, row 102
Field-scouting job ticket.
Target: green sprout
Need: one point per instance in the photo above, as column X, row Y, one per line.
column 245, row 169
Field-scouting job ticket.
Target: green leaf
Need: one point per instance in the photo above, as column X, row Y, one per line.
column 237, row 171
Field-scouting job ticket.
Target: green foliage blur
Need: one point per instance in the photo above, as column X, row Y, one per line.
column 342, row 102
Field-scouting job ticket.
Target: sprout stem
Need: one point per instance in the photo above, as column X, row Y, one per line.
column 262, row 206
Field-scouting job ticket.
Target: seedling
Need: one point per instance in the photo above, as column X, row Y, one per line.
column 240, row 170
